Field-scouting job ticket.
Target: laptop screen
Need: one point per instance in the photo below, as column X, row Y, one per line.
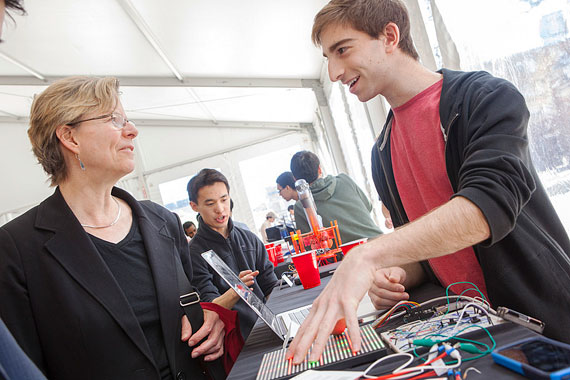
column 240, row 288
column 273, row 234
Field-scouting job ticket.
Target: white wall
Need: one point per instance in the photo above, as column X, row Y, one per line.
column 166, row 153
column 23, row 181
column 227, row 163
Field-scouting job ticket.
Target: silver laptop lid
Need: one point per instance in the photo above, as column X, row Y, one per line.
column 249, row 297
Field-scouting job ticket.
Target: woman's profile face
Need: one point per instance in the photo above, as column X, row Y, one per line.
column 105, row 150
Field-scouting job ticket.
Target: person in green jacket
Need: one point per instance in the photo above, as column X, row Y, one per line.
column 336, row 197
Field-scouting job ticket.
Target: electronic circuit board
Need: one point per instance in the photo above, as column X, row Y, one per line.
column 438, row 324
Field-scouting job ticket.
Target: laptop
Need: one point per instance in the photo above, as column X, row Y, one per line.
column 284, row 325
column 273, row 233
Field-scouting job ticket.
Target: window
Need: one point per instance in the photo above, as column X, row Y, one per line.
column 259, row 175
column 175, row 198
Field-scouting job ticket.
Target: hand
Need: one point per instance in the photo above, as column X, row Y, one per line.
column 387, row 288
column 388, row 223
column 213, row 327
column 230, row 297
column 248, row 276
column 339, row 299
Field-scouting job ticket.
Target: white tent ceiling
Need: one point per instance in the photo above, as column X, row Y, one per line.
column 198, row 76
column 202, row 38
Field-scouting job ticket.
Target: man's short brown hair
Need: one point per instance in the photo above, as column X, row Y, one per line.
column 368, row 16
column 66, row 101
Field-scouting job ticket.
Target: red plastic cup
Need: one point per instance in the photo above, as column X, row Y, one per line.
column 279, row 254
column 271, row 253
column 351, row 244
column 306, row 265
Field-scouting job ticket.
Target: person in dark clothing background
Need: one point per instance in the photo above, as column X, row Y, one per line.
column 209, row 194
column 286, row 186
column 189, row 229
column 453, row 167
column 336, row 197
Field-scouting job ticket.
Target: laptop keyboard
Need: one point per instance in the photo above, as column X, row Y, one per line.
column 299, row 316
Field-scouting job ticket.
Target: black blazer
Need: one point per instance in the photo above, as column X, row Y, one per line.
column 64, row 307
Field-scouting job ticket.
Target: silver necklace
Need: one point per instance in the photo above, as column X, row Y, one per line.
column 112, row 223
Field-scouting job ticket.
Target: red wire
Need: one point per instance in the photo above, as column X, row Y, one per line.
column 442, row 355
column 427, row 374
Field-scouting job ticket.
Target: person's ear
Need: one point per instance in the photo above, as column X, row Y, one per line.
column 194, row 206
column 391, row 35
column 66, row 136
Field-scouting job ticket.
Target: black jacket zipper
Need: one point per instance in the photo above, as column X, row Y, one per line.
column 401, row 218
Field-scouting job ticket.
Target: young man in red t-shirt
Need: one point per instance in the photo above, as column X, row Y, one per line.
column 453, row 169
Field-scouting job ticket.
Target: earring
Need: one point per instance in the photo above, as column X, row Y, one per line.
column 80, row 162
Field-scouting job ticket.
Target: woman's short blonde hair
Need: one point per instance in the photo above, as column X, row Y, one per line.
column 66, row 101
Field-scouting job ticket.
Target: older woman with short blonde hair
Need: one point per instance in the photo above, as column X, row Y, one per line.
column 88, row 279
column 65, row 103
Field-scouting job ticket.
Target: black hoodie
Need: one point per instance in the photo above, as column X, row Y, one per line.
column 242, row 250
column 526, row 261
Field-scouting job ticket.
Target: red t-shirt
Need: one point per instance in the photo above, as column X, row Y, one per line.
column 418, row 159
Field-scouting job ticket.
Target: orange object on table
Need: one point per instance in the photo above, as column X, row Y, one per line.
column 326, row 241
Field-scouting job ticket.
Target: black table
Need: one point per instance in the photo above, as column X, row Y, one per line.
column 262, row 339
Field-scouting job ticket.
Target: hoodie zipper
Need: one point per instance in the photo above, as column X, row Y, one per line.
column 445, row 133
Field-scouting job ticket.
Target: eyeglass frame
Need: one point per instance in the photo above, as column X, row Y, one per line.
column 111, row 115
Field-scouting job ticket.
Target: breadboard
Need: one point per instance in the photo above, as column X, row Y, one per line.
column 443, row 324
column 338, row 354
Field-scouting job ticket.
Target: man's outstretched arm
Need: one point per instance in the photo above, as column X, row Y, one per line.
column 457, row 224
